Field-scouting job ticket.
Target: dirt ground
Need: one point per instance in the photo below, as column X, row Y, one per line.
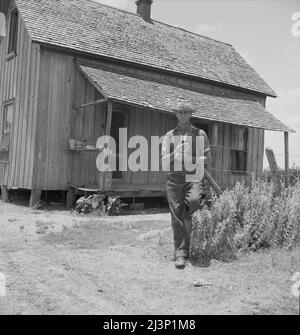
column 57, row 262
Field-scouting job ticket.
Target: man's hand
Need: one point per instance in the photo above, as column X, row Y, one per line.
column 181, row 148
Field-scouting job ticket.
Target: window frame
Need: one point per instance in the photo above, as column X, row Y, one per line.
column 240, row 162
column 13, row 23
column 7, row 103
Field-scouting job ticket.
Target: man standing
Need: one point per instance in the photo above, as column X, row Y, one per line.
column 185, row 189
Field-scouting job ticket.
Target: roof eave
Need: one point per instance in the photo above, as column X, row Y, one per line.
column 144, row 66
column 130, row 103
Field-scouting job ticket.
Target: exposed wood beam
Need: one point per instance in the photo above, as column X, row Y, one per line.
column 35, row 197
column 286, row 159
column 109, row 117
column 274, row 171
column 105, row 178
column 91, row 81
column 213, row 183
column 5, row 195
column 214, row 141
column 97, row 102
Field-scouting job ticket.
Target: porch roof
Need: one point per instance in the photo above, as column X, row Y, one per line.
column 162, row 97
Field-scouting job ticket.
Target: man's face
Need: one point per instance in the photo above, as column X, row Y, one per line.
column 183, row 115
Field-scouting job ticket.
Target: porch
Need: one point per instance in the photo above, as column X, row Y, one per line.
column 117, row 188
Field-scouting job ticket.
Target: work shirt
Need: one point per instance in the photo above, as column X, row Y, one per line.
column 170, row 142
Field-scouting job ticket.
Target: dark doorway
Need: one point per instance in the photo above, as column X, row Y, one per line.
column 200, row 125
column 118, row 121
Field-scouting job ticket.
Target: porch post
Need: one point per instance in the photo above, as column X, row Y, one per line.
column 107, row 176
column 5, row 195
column 109, row 116
column 214, row 134
column 286, row 159
column 214, row 144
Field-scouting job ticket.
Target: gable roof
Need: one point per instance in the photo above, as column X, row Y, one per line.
column 162, row 97
column 90, row 27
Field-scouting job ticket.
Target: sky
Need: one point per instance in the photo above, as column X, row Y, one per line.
column 262, row 32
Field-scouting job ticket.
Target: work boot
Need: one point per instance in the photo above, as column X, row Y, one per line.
column 180, row 262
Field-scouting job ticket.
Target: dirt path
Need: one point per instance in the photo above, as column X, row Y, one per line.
column 56, row 262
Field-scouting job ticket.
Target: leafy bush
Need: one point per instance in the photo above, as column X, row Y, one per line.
column 294, row 175
column 248, row 219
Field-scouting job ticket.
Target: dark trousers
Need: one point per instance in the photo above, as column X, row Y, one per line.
column 184, row 199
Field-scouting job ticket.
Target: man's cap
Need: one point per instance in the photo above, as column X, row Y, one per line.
column 184, row 106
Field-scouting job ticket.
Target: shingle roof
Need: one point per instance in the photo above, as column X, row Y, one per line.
column 90, row 27
column 163, row 97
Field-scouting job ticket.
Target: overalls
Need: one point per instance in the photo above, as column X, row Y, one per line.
column 185, row 198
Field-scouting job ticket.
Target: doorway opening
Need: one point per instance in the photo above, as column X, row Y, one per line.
column 118, row 121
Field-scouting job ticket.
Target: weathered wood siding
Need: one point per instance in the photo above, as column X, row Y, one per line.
column 63, row 87
column 52, row 160
column 19, row 81
column 221, row 164
column 88, row 123
column 147, row 123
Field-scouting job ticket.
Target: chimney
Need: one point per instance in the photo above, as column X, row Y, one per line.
column 144, row 9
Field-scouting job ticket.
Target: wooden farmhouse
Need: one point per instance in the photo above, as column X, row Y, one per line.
column 77, row 69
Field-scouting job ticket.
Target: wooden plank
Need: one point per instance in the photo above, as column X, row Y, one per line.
column 89, row 120
column 24, row 112
column 53, row 125
column 109, row 117
column 219, row 154
column 215, row 133
column 255, row 153
column 286, row 159
column 213, row 183
column 60, row 111
column 35, row 88
column 85, row 117
column 274, row 170
column 30, row 115
column 35, row 197
column 250, row 155
column 65, row 172
column 5, row 195
column 106, row 177
column 70, row 197
column 226, row 155
column 97, row 102
column 18, row 116
column 147, row 134
column 260, row 152
column 214, row 143
column 77, row 99
column 99, row 128
column 130, row 115
column 39, row 174
column 155, row 131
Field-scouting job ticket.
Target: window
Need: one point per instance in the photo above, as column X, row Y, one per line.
column 13, row 32
column 7, row 118
column 239, row 148
column 2, row 26
column 6, row 128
